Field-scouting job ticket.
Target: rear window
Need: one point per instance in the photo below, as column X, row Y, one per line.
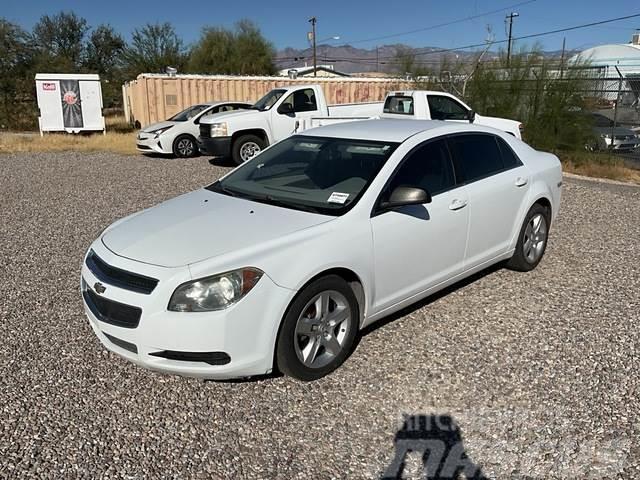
column 400, row 104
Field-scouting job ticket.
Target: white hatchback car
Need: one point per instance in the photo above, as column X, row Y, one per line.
column 177, row 135
column 282, row 261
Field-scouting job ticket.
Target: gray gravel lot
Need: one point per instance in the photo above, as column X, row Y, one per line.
column 539, row 371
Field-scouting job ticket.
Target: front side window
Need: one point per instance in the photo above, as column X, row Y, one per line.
column 427, row 167
column 475, row 156
column 401, row 104
column 445, row 108
column 319, row 174
column 302, row 100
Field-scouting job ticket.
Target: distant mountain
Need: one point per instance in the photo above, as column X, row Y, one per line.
column 348, row 59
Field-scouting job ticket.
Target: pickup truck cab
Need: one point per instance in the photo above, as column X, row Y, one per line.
column 432, row 105
column 244, row 133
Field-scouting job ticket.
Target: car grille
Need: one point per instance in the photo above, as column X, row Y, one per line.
column 625, row 137
column 120, row 278
column 205, row 131
column 110, row 311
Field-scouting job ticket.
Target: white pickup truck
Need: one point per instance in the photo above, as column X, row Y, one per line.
column 427, row 105
column 281, row 112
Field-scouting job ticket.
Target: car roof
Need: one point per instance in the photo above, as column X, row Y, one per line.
column 224, row 102
column 391, row 130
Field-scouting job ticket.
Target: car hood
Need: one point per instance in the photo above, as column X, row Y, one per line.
column 156, row 126
column 224, row 116
column 201, row 225
column 496, row 122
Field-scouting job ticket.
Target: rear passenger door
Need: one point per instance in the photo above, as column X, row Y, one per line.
column 497, row 184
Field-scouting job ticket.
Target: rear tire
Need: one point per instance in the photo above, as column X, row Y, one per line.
column 184, row 146
column 318, row 330
column 246, row 147
column 532, row 240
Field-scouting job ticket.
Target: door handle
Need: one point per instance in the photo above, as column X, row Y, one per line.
column 457, row 204
column 521, row 181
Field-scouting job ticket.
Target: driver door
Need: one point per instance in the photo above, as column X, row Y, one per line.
column 419, row 246
column 304, row 105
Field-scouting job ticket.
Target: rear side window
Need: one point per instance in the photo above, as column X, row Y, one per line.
column 475, row 156
column 509, row 158
column 401, row 104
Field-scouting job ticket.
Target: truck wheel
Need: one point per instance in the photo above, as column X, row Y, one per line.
column 184, row 146
column 246, row 147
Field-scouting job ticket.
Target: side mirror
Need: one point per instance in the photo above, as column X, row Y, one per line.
column 285, row 109
column 471, row 116
column 402, row 196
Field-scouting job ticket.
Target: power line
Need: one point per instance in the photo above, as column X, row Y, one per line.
column 445, row 24
column 523, row 37
column 431, row 27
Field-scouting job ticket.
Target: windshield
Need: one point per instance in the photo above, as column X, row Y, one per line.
column 601, row 121
column 266, row 102
column 323, row 175
column 190, row 112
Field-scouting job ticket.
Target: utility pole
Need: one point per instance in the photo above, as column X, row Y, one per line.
column 564, row 44
column 510, row 17
column 313, row 20
column 377, row 58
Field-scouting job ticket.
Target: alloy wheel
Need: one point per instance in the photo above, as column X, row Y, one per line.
column 322, row 329
column 535, row 238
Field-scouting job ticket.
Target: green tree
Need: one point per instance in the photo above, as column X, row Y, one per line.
column 59, row 42
column 241, row 51
column 17, row 107
column 104, row 51
column 153, row 48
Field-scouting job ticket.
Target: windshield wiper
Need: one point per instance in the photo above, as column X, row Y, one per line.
column 218, row 187
column 269, row 200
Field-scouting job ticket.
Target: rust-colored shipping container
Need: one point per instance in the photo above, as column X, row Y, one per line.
column 154, row 97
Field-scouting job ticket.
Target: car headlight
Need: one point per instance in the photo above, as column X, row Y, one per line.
column 219, row 129
column 160, row 131
column 215, row 292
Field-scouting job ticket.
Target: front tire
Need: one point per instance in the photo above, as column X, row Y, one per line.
column 185, row 146
column 532, row 240
column 318, row 330
column 246, row 147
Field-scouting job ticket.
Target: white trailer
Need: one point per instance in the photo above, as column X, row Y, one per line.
column 69, row 102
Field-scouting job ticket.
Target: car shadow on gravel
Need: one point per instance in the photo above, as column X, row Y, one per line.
column 438, row 441
column 222, row 162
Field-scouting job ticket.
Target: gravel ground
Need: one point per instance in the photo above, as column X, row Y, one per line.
column 538, row 372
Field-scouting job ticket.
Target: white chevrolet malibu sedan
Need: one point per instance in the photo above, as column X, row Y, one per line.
column 177, row 135
column 281, row 262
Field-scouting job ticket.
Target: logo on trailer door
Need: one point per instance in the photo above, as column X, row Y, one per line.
column 48, row 86
column 70, row 98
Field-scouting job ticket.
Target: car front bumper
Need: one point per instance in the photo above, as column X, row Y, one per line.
column 215, row 146
column 235, row 342
column 148, row 143
column 622, row 144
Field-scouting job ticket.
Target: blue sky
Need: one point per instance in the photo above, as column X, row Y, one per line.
column 285, row 22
